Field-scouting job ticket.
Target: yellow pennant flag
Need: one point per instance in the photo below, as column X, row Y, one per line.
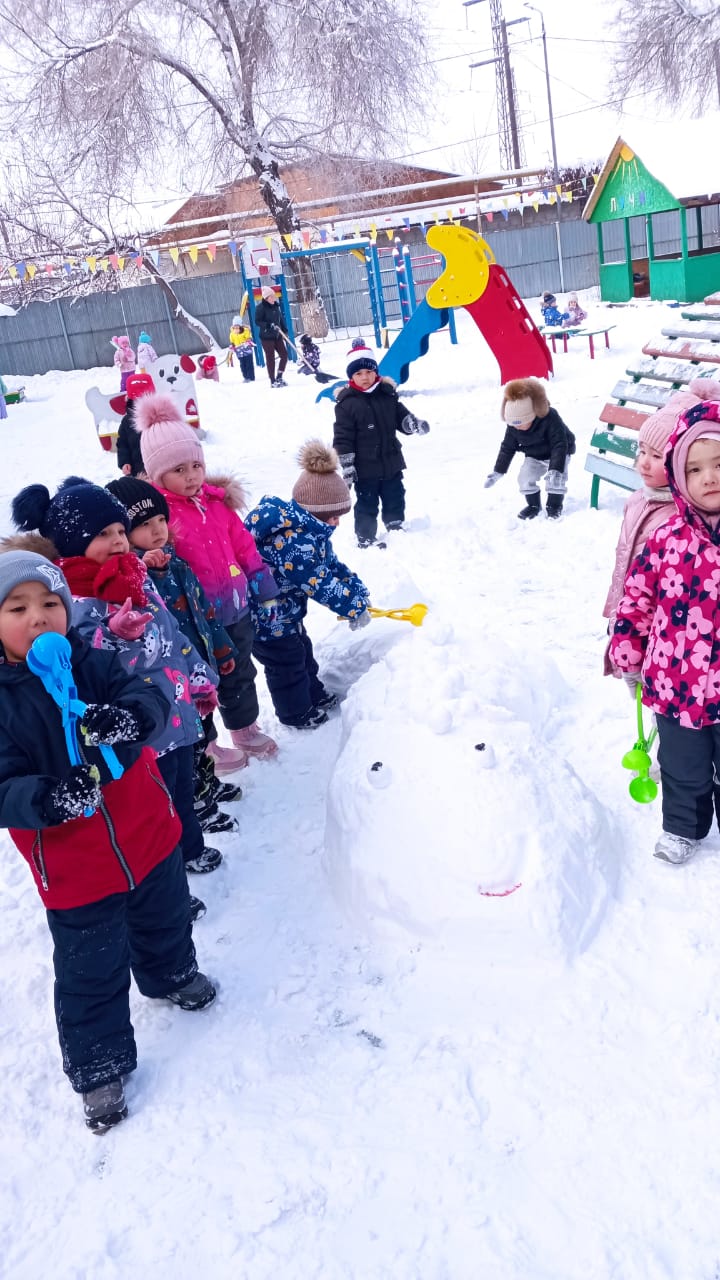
column 92, row 263
column 288, row 240
column 13, row 272
column 373, row 230
column 595, row 177
column 174, row 254
column 269, row 243
column 449, row 214
column 570, row 197
column 389, row 233
column 552, row 198
column 31, row 269
column 120, row 264
column 193, row 253
column 103, row 264
column 558, row 188
column 535, row 205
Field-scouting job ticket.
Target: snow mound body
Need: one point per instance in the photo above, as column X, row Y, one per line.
column 451, row 817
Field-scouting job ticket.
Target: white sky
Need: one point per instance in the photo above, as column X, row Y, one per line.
column 461, row 122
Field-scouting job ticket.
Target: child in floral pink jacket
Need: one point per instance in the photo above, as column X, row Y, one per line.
column 667, row 632
column 209, row 534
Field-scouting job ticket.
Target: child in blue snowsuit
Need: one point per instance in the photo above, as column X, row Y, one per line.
column 294, row 538
column 551, row 313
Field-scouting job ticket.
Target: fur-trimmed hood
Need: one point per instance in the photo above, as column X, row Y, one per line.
column 526, row 389
column 30, row 542
column 234, row 495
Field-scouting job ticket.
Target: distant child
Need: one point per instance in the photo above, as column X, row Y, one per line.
column 113, row 884
column 209, row 534
column 575, row 313
column 146, row 353
column 271, row 326
column 552, row 316
column 129, row 457
column 116, row 608
column 242, row 346
column 174, row 580
column 207, row 369
column 666, row 629
column 310, row 353
column 124, row 358
column 653, row 504
column 537, row 431
column 368, row 416
column 294, row 538
column 3, row 393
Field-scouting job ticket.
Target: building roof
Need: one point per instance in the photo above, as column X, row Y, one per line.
column 672, row 164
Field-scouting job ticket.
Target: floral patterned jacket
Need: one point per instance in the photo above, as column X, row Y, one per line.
column 668, row 620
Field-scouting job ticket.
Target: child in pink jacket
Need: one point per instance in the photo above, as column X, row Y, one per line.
column 209, row 534
column 667, row 633
column 124, row 358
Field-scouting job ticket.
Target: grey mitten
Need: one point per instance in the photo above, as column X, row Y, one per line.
column 413, row 426
column 631, row 680
column 71, row 797
column 555, row 482
column 104, row 723
column 360, row 620
column 492, row 479
column 347, row 462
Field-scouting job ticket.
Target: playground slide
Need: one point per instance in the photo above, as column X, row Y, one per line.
column 502, row 318
column 411, row 342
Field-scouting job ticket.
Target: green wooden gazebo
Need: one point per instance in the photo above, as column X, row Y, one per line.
column 674, row 257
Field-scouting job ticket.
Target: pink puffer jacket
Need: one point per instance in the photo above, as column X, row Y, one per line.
column 668, row 620
column 209, row 534
column 643, row 514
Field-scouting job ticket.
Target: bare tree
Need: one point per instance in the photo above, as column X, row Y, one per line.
column 127, row 88
column 668, row 48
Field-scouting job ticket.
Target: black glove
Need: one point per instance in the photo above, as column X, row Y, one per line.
column 106, row 724
column 347, row 462
column 70, row 798
column 413, row 426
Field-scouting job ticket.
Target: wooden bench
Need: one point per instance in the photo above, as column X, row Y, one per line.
column 680, row 349
column 591, row 334
column 609, row 440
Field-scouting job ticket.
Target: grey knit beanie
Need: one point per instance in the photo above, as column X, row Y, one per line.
column 27, row 566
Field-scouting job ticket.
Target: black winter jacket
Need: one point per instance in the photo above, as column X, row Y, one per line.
column 366, row 426
column 128, row 442
column 33, row 752
column 548, row 440
column 268, row 316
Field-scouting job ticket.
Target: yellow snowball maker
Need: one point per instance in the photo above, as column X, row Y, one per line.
column 467, row 267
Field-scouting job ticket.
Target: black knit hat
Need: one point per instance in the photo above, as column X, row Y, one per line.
column 141, row 500
column 75, row 516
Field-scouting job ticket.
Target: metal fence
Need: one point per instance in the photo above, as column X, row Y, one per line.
column 75, row 333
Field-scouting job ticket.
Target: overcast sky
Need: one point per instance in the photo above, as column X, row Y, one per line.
column 461, row 122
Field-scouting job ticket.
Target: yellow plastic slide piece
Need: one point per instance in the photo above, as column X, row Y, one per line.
column 467, row 266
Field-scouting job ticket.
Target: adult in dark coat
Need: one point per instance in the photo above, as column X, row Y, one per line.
column 271, row 326
column 368, row 416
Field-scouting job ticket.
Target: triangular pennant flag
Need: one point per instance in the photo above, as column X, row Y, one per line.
column 92, row 263
column 596, row 177
column 67, row 267
column 569, row 197
column 389, row 233
column 306, row 238
column 102, row 264
column 489, row 215
column 113, row 260
column 174, row 254
column 584, row 182
column 535, row 205
column 268, row 243
column 323, row 235
column 31, row 269
column 449, row 213
column 505, row 214
column 210, row 251
column 288, row 241
column 193, row 253
column 22, row 270
column 552, row 198
column 154, row 256
column 232, row 246
column 406, row 224
column 121, row 264
column 49, row 268
column 558, row 188
column 13, row 272
column 356, row 230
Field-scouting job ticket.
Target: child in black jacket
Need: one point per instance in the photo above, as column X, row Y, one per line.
column 129, row 457
column 368, row 416
column 538, row 431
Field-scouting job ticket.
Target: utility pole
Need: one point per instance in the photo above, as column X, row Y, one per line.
column 511, row 147
column 551, row 121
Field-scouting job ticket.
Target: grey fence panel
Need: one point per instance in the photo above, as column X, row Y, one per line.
column 213, row 299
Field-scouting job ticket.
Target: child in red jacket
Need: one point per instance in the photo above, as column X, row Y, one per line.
column 104, row 854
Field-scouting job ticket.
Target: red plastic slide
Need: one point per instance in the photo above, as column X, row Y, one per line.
column 515, row 341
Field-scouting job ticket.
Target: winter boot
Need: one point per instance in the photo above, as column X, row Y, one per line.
column 197, row 908
column 104, row 1106
column 208, row 859
column 219, row 822
column 227, row 759
column 195, row 995
column 314, row 718
column 225, row 792
column 253, row 742
column 554, row 505
column 533, row 506
column 328, row 702
column 675, row 849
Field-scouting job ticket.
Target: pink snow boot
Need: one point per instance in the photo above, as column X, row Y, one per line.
column 227, row 759
column 253, row 742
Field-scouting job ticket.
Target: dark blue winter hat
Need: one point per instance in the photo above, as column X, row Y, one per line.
column 79, row 511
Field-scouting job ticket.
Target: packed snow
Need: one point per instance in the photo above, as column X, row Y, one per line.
column 467, row 1025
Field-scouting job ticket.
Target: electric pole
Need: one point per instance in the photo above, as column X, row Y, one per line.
column 512, row 152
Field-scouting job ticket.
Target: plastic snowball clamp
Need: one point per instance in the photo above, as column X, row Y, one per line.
column 49, row 659
column 415, row 614
column 642, row 788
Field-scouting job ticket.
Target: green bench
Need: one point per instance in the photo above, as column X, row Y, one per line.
column 617, row 469
column 591, row 334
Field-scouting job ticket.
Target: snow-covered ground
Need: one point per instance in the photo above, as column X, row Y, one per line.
column 409, row 1074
